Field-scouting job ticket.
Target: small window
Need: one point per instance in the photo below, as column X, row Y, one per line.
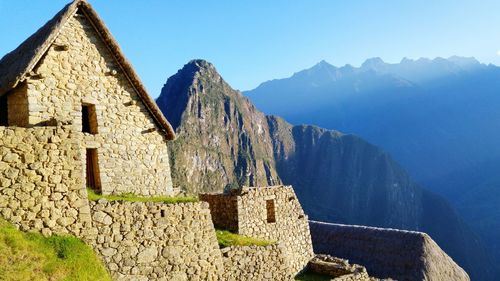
column 271, row 212
column 89, row 119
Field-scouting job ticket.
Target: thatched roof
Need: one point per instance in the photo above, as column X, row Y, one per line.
column 16, row 65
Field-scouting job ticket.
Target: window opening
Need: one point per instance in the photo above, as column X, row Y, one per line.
column 271, row 212
column 89, row 119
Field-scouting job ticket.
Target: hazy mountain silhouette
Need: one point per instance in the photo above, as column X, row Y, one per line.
column 439, row 118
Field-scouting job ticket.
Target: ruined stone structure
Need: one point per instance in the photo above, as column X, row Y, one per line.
column 271, row 213
column 73, row 114
column 71, row 71
column 387, row 253
column 338, row 269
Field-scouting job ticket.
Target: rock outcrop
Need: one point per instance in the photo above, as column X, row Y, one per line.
column 338, row 269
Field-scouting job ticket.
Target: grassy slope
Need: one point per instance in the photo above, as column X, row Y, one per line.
column 30, row 256
column 226, row 239
column 135, row 198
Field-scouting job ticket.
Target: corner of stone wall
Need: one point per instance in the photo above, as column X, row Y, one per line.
column 41, row 187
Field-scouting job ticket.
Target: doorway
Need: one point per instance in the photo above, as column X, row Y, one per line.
column 4, row 111
column 93, row 178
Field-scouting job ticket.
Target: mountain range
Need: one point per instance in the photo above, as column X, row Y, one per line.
column 224, row 141
column 438, row 118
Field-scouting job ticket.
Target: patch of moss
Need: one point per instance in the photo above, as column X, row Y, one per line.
column 30, row 256
column 135, row 198
column 227, row 238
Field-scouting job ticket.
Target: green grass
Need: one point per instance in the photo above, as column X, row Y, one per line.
column 135, row 198
column 30, row 256
column 227, row 238
column 311, row 276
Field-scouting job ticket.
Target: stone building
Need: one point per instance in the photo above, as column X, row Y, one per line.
column 272, row 213
column 72, row 72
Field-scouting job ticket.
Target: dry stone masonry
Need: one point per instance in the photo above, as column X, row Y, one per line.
column 82, row 75
column 41, row 184
column 271, row 213
column 248, row 263
column 338, row 269
column 79, row 80
column 154, row 241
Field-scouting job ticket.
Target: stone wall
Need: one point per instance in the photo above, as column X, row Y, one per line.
column 291, row 227
column 154, row 241
column 41, row 187
column 85, row 72
column 386, row 253
column 224, row 210
column 271, row 213
column 256, row 263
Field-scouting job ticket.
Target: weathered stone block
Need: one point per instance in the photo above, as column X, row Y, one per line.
column 101, row 217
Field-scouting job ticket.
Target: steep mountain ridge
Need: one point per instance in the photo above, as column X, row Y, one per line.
column 222, row 138
column 354, row 181
column 224, row 141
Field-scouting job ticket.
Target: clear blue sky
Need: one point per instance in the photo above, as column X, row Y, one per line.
column 253, row 41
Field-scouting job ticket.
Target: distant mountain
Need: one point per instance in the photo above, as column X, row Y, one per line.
column 434, row 116
column 224, row 141
column 439, row 118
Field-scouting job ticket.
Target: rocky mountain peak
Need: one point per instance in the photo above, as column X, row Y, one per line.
column 373, row 63
column 191, row 79
column 195, row 69
column 200, row 67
